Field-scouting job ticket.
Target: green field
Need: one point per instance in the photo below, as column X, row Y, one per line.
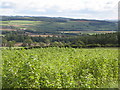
column 18, row 22
column 55, row 67
column 56, row 26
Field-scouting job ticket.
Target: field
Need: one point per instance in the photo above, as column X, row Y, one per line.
column 88, row 32
column 53, row 27
column 17, row 24
column 55, row 67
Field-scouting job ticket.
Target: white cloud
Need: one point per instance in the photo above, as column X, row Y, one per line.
column 62, row 6
column 7, row 12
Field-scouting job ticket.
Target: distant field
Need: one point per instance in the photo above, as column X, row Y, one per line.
column 7, row 29
column 70, row 31
column 41, row 35
column 89, row 32
column 18, row 22
column 83, row 21
column 104, row 31
column 74, row 27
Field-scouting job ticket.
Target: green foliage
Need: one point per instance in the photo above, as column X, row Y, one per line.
column 60, row 68
column 10, row 44
column 98, row 40
column 28, row 42
column 93, row 45
column 55, row 44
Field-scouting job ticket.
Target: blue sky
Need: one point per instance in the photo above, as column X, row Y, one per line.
column 82, row 9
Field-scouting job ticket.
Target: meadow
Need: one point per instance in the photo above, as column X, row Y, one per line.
column 55, row 67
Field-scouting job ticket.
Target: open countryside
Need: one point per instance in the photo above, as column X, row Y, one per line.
column 47, row 52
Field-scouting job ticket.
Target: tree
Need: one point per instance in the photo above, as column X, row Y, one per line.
column 10, row 44
column 42, row 44
column 57, row 44
column 77, row 43
column 47, row 41
column 28, row 42
column 4, row 42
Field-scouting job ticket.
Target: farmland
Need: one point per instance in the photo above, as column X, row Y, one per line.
column 55, row 67
column 41, row 25
column 15, row 25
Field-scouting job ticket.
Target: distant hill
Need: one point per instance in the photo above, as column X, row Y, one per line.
column 55, row 24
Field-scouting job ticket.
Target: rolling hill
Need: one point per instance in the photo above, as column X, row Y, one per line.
column 53, row 25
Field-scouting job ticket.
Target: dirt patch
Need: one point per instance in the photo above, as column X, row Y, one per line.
column 18, row 44
column 8, row 29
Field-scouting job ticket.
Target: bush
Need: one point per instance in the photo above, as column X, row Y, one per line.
column 93, row 45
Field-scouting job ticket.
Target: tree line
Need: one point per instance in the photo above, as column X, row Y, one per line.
column 83, row 40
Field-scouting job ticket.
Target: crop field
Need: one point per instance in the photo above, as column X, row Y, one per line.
column 17, row 23
column 55, row 67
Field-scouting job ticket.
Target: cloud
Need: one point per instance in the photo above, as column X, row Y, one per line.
column 72, row 8
column 7, row 5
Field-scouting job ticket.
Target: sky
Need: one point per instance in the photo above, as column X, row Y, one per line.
column 78, row 9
